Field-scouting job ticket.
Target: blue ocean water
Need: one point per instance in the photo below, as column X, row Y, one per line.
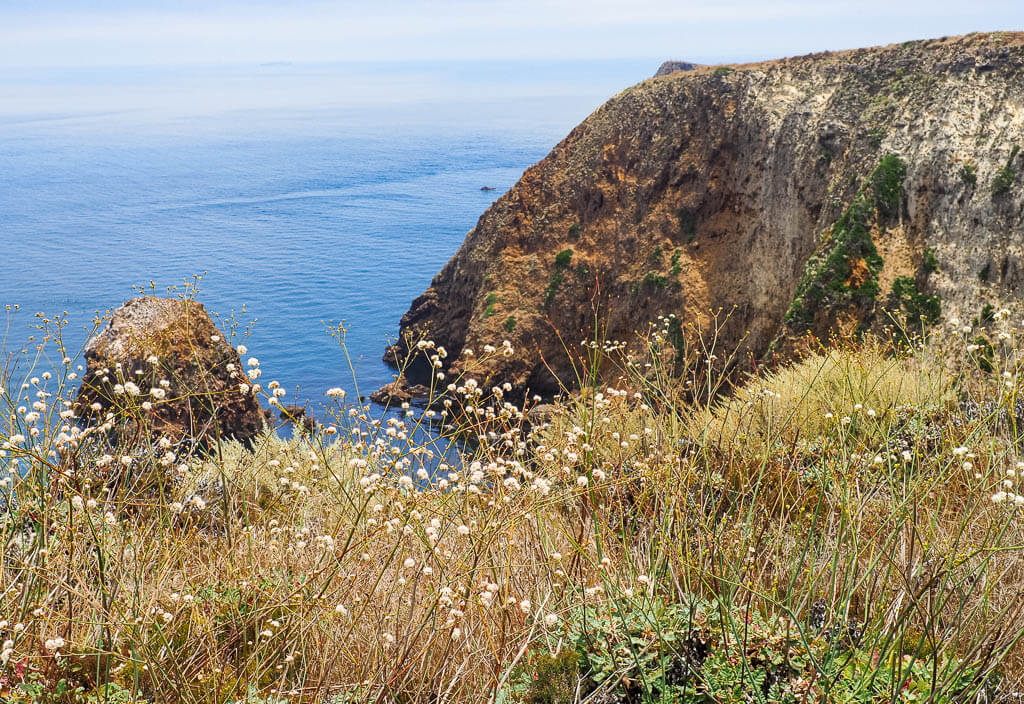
column 306, row 196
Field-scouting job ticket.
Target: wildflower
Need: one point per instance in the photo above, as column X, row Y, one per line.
column 53, row 644
column 336, row 392
column 409, row 563
column 550, row 620
column 242, row 349
column 132, row 389
column 78, row 503
column 959, row 451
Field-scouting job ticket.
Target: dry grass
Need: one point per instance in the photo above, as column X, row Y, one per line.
column 309, row 570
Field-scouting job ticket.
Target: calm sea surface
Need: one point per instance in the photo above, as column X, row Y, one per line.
column 306, row 194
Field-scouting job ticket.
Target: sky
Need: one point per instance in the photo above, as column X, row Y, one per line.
column 95, row 33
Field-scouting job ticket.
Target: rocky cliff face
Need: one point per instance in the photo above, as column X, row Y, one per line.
column 673, row 66
column 802, row 195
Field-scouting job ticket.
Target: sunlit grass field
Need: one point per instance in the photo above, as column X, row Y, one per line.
column 845, row 528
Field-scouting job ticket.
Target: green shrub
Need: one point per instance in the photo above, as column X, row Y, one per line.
column 1005, row 176
column 918, row 306
column 723, row 71
column 676, row 267
column 1003, row 181
column 563, row 259
column 887, row 184
column 552, row 290
column 510, row 323
column 687, row 224
column 969, row 175
column 574, row 231
column 491, row 299
column 656, row 280
column 555, row 678
column 929, row 261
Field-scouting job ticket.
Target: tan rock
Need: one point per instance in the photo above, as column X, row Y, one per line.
column 151, row 340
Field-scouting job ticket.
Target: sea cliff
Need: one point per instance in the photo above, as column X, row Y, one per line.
column 801, row 196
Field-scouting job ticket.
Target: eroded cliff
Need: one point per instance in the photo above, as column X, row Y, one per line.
column 800, row 195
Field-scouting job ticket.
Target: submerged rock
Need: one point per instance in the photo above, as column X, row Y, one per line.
column 168, row 354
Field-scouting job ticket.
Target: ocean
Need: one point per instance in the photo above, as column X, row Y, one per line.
column 304, row 196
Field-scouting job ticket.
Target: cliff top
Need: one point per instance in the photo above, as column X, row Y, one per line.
column 974, row 40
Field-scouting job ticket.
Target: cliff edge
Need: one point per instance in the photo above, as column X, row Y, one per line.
column 802, row 195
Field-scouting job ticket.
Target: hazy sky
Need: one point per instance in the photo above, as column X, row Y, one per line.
column 50, row 33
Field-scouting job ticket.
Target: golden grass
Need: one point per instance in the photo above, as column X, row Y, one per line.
column 308, row 570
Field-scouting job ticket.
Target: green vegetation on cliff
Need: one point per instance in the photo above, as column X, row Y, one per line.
column 845, row 270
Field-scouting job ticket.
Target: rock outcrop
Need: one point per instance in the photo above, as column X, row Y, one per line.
column 673, row 66
column 800, row 196
column 167, row 353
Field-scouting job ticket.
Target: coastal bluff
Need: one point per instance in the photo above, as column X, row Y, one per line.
column 803, row 197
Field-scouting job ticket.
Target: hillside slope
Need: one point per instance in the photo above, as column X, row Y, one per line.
column 800, row 195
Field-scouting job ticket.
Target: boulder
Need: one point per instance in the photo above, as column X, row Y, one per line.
column 398, row 391
column 672, row 66
column 300, row 416
column 165, row 359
